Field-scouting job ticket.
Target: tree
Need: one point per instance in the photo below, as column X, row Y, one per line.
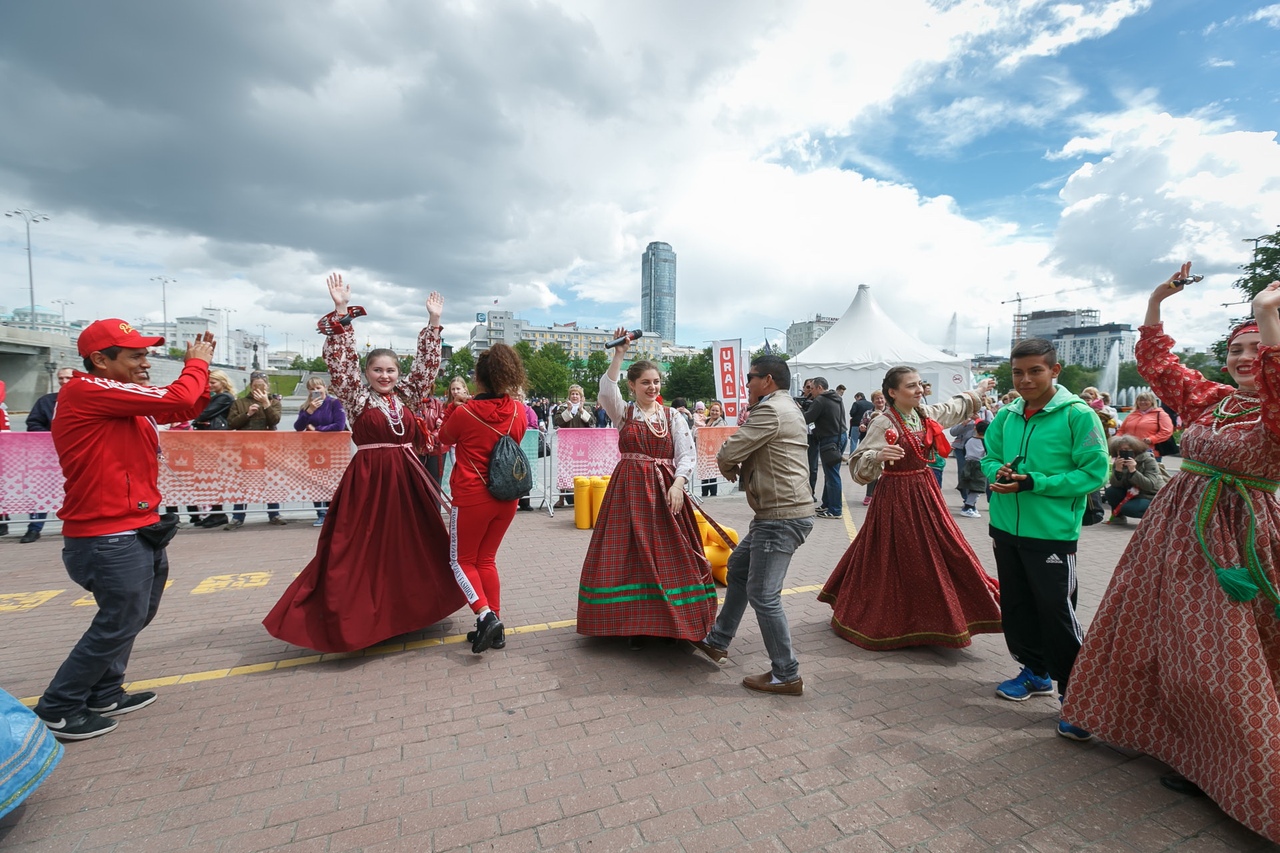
column 589, row 375
column 1076, row 378
column 691, row 377
column 461, row 363
column 1129, row 376
column 1003, row 374
column 1262, row 269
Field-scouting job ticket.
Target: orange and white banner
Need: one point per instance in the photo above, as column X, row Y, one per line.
column 594, row 452
column 709, row 440
column 730, row 378
column 196, row 468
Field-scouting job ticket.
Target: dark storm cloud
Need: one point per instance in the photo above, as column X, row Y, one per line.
column 388, row 137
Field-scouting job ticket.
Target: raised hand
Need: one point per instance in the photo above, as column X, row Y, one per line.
column 435, row 307
column 986, row 385
column 1267, row 299
column 202, row 347
column 1168, row 288
column 340, row 291
column 620, row 350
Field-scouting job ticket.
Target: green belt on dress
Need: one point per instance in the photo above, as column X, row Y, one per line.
column 1240, row 583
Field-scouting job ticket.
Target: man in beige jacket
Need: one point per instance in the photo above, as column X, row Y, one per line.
column 770, row 454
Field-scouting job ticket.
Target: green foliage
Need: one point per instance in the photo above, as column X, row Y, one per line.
column 548, row 370
column 1076, row 378
column 1129, row 376
column 587, row 373
column 690, row 377
column 1003, row 374
column 1262, row 269
column 461, row 363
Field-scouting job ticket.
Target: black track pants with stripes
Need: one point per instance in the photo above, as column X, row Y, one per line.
column 1038, row 609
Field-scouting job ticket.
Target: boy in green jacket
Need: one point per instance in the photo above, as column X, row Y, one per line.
column 1046, row 453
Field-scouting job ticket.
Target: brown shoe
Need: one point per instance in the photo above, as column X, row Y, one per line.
column 709, row 650
column 795, row 687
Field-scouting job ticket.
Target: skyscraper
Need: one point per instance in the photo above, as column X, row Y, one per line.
column 658, row 291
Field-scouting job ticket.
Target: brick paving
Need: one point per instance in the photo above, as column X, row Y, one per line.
column 563, row 743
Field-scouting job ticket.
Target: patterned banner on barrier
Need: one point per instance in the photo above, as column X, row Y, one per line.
column 594, row 453
column 196, row 468
column 709, row 440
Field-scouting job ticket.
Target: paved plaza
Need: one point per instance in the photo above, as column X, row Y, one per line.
column 560, row 742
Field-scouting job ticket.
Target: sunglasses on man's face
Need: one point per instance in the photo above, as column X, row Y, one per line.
column 751, row 376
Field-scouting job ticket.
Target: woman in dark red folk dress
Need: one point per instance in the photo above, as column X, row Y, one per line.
column 382, row 562
column 645, row 574
column 909, row 578
column 1182, row 660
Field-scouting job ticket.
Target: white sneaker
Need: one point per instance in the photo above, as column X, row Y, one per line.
column 970, row 512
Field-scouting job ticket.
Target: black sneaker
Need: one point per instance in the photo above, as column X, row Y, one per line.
column 126, row 703
column 81, row 726
column 29, row 537
column 488, row 629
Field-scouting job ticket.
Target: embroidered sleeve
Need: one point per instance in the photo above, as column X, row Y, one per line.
column 344, row 371
column 682, row 438
column 865, row 464
column 1268, row 379
column 958, row 410
column 1186, row 390
column 426, row 367
column 611, row 400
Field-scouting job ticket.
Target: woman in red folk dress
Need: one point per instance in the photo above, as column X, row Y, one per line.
column 909, row 578
column 1182, row 660
column 382, row 562
column 645, row 573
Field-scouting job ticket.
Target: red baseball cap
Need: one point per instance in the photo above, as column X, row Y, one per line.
column 101, row 334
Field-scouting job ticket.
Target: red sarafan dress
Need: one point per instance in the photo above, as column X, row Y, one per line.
column 909, row 578
column 381, row 567
column 1172, row 665
column 645, row 573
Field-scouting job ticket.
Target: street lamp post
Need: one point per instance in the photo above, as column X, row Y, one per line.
column 29, row 216
column 164, row 304
column 775, row 329
column 64, row 303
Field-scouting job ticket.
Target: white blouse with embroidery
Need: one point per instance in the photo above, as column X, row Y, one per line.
column 611, row 401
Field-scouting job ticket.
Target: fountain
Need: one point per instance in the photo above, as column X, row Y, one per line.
column 1109, row 379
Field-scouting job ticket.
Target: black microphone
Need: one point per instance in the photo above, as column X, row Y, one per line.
column 632, row 335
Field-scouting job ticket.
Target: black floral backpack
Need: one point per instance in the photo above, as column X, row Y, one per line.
column 510, row 475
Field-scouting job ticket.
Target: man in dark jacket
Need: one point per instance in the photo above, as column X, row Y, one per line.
column 826, row 413
column 40, row 419
column 861, row 405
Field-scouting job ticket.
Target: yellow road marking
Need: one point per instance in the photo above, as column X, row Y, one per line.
column 373, row 651
column 86, row 600
column 218, row 583
column 16, row 602
column 849, row 526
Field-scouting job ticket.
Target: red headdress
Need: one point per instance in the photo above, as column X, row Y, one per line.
column 1243, row 329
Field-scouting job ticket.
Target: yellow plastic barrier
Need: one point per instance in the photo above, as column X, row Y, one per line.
column 598, row 487
column 717, row 551
column 582, row 516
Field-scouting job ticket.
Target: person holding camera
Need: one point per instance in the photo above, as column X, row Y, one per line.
column 1136, row 476
column 258, row 409
column 321, row 413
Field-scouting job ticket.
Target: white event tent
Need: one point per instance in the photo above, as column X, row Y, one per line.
column 865, row 343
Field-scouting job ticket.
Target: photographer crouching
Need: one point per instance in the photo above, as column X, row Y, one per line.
column 1136, row 476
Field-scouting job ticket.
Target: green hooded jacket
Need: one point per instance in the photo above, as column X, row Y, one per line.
column 1064, row 450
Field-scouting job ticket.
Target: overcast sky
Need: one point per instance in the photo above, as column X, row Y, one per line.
column 950, row 154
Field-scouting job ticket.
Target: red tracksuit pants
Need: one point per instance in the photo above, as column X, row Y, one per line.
column 475, row 532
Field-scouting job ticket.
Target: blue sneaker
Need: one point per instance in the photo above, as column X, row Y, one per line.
column 1024, row 685
column 1073, row 732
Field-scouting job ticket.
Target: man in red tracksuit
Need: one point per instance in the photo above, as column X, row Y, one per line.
column 109, row 448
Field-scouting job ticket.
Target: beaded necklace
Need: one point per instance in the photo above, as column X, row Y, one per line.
column 663, row 427
column 391, row 409
column 1225, row 418
column 911, row 424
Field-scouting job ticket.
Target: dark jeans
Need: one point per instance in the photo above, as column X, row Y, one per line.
column 814, row 464
column 1134, row 508
column 1038, row 609
column 832, row 490
column 37, row 521
column 710, row 488
column 757, row 569
column 126, row 578
column 238, row 513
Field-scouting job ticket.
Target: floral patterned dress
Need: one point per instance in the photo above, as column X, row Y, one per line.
column 1182, row 660
column 382, row 562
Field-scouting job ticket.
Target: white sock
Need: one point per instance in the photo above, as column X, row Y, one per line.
column 773, row 679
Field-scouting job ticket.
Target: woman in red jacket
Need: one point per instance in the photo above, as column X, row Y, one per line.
column 478, row 521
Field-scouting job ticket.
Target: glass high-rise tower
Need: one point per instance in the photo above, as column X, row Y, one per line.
column 658, row 291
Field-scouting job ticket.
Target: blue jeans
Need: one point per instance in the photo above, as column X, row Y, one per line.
column 757, row 569
column 831, row 486
column 126, row 577
column 37, row 521
column 1134, row 508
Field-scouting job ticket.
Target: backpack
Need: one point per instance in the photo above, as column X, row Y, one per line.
column 1094, row 511
column 510, row 475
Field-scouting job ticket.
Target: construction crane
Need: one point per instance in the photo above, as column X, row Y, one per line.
column 1020, row 319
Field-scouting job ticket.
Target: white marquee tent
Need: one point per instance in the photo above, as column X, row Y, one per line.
column 865, row 343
